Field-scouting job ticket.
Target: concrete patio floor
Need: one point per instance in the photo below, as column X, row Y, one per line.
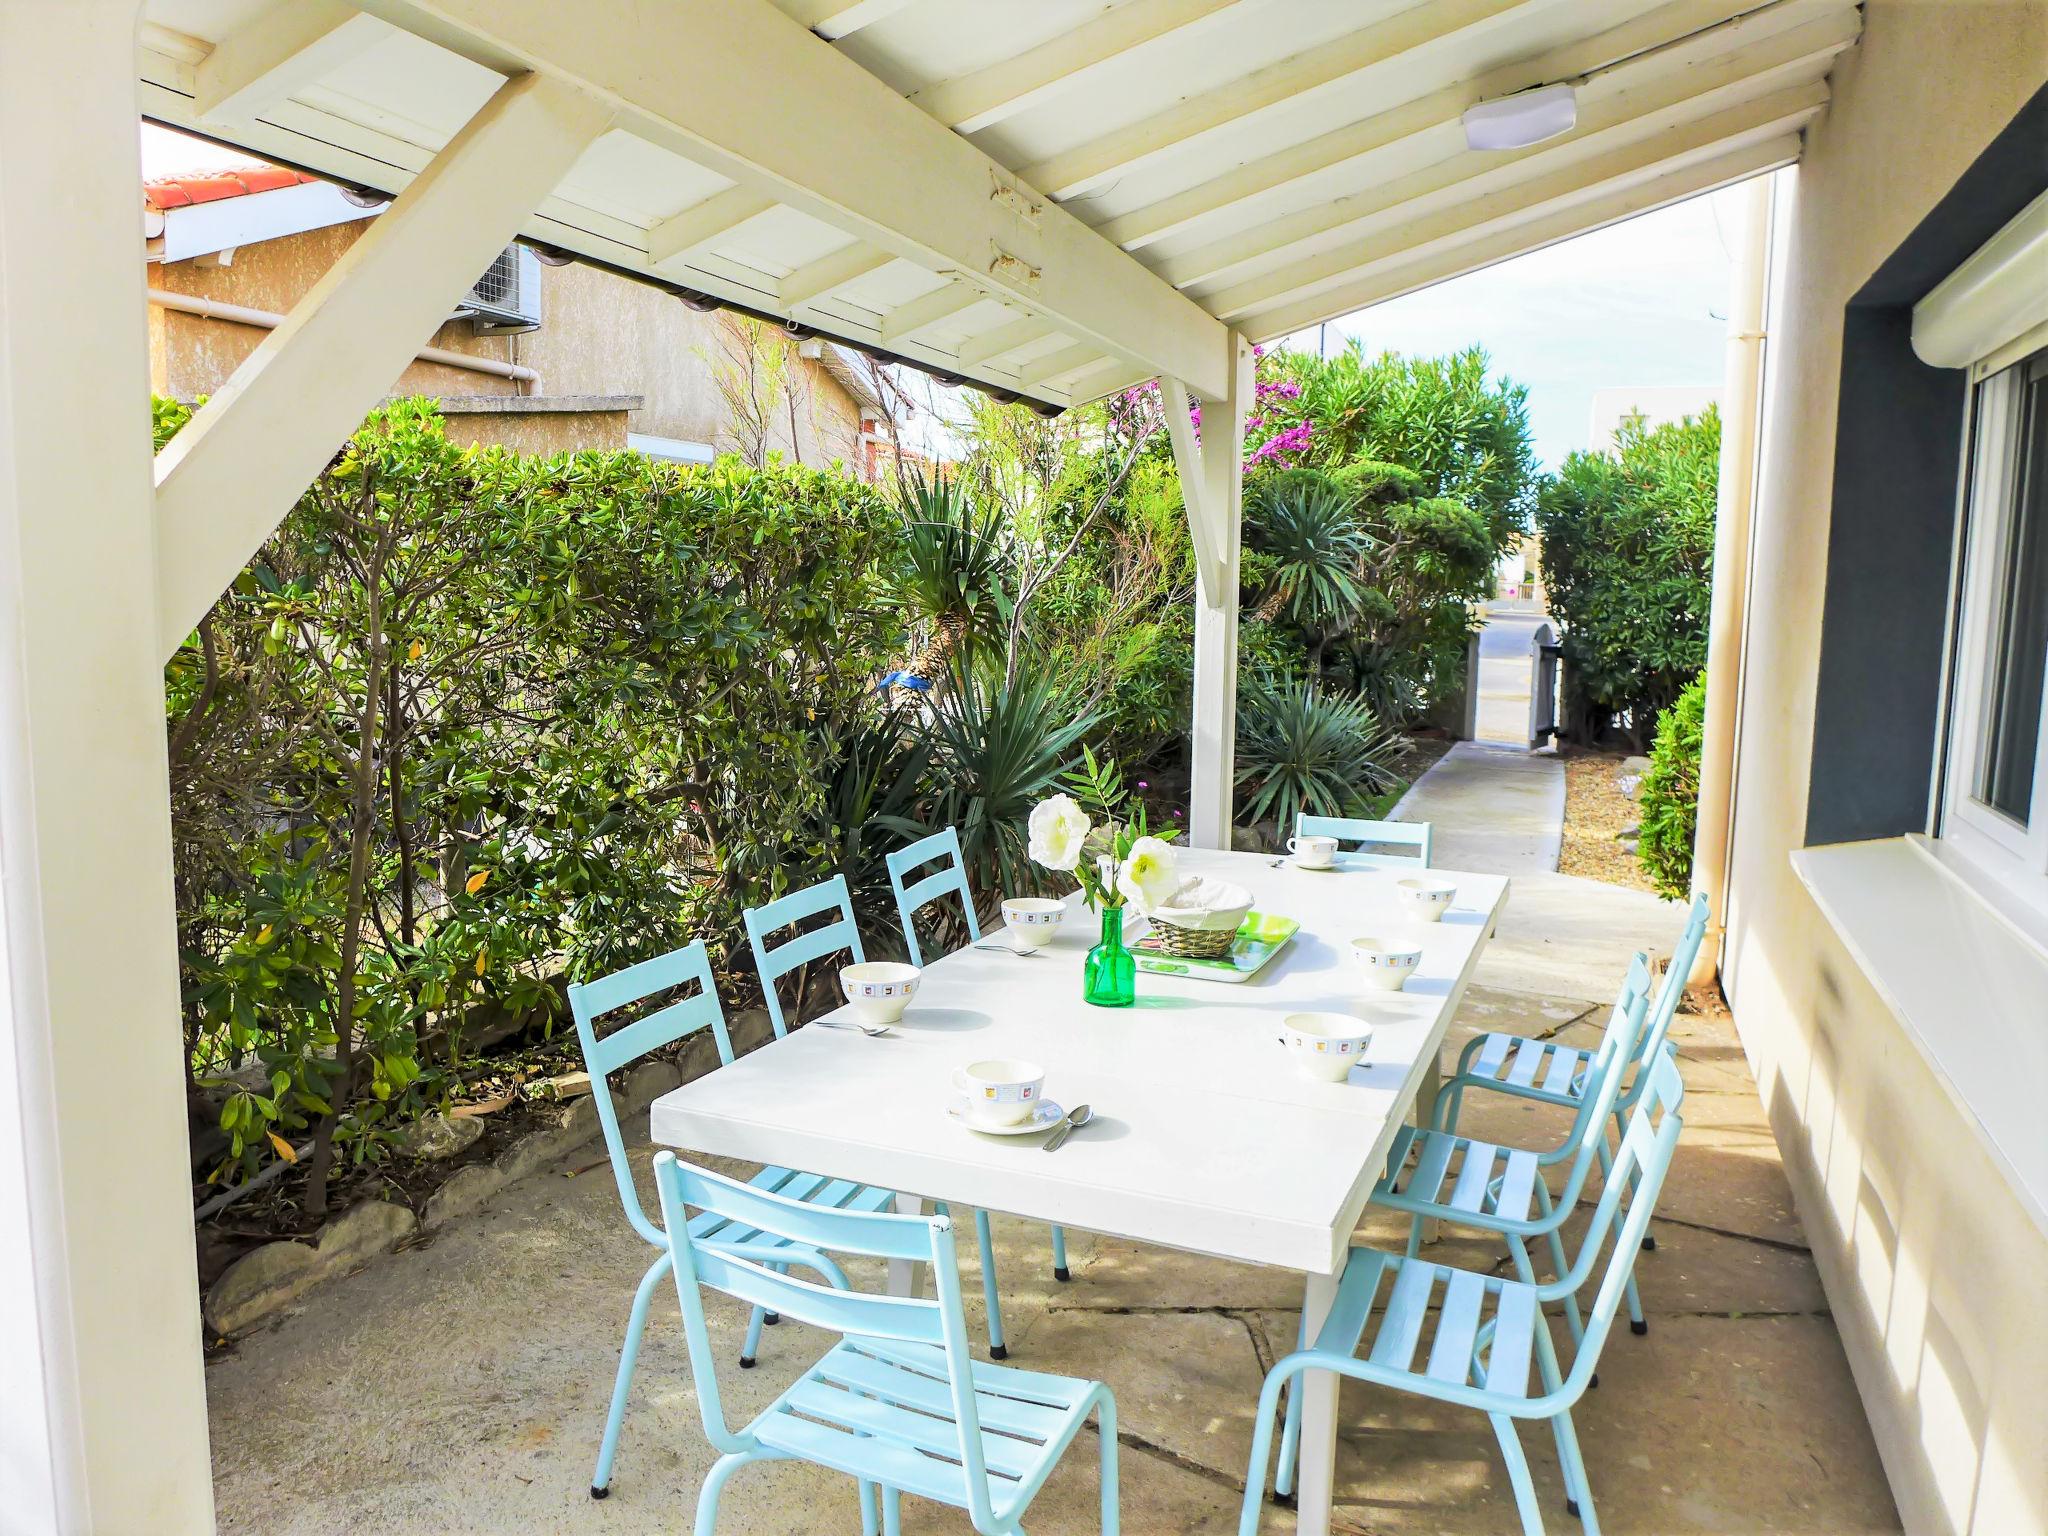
column 460, row 1386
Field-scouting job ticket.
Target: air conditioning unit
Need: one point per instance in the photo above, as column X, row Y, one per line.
column 507, row 297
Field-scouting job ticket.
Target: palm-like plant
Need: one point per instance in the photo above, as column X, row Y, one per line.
column 1308, row 529
column 951, row 573
column 999, row 750
column 1300, row 749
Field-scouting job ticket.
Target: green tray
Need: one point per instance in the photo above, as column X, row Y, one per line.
column 1260, row 937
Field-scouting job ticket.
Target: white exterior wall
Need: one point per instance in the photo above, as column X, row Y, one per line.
column 1936, row 1275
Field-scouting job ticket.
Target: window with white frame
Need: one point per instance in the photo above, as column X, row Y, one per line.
column 1995, row 779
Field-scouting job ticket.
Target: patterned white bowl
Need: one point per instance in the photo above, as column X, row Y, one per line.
column 879, row 990
column 1325, row 1046
column 1385, row 963
column 1033, row 920
column 1425, row 898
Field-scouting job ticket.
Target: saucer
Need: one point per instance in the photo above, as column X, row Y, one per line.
column 1043, row 1117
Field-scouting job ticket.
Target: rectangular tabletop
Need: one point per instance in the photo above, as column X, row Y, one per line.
column 1205, row 1135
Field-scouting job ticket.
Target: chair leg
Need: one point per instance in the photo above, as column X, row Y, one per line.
column 1059, row 1254
column 1105, row 1424
column 629, row 1354
column 892, row 1512
column 1290, row 1431
column 752, row 1348
column 1414, row 1235
column 1571, row 1300
column 986, row 1239
column 1277, row 1380
column 1578, row 1495
column 867, row 1508
column 714, row 1484
column 1518, row 1474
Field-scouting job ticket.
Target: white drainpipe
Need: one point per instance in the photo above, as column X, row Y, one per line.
column 263, row 319
column 1742, row 392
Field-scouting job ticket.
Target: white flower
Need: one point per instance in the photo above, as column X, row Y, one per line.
column 1058, row 829
column 1148, row 878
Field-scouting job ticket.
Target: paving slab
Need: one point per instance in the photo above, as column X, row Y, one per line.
column 1496, row 809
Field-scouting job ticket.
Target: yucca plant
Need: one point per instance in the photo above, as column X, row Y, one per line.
column 1308, row 529
column 998, row 751
column 1300, row 749
column 950, row 578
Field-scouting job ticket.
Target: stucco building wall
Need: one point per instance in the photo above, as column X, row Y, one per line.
column 600, row 334
column 1936, row 1275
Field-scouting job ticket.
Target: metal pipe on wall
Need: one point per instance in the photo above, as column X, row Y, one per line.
column 1741, row 421
column 269, row 320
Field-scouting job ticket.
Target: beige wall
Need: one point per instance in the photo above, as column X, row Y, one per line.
column 600, row 334
column 1937, row 1277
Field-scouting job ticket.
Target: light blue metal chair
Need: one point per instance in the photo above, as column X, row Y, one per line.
column 774, row 962
column 1552, row 1073
column 1487, row 1329
column 897, row 1405
column 950, row 879
column 591, row 1001
column 1441, row 1176
column 842, row 935
column 1354, row 829
column 912, row 897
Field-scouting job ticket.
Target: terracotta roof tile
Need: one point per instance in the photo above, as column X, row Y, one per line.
column 211, row 186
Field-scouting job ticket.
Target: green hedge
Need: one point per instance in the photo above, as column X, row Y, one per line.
column 1670, row 794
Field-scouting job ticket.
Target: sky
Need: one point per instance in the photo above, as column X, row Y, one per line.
column 1637, row 304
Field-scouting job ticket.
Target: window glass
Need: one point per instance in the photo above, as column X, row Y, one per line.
column 2019, row 631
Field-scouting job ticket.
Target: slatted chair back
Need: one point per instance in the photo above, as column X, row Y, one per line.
column 938, row 1321
column 1672, row 991
column 775, row 961
column 1417, row 835
column 590, row 1001
column 949, row 879
column 1604, row 1083
column 1646, row 1150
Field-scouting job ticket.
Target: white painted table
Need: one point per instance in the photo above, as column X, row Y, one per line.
column 1205, row 1137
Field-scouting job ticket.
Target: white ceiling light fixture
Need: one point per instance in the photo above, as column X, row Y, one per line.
column 1525, row 118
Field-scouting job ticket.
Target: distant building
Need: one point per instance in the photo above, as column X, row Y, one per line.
column 540, row 357
column 1651, row 405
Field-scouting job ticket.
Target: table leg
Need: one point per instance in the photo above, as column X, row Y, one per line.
column 1316, row 1481
column 1425, row 1101
column 906, row 1277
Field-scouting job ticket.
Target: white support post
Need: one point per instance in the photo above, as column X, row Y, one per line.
column 236, row 468
column 1212, row 485
column 102, row 1389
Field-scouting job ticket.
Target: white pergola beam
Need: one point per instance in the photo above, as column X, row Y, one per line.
column 238, row 466
column 714, row 80
column 829, row 273
column 290, row 44
column 1419, row 26
column 928, row 309
column 103, row 1426
column 834, row 19
column 988, row 96
column 1439, row 109
column 1584, row 181
column 1057, row 365
column 672, row 242
column 1652, row 97
column 1518, row 238
column 1003, row 340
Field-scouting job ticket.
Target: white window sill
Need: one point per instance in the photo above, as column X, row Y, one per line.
column 1969, row 986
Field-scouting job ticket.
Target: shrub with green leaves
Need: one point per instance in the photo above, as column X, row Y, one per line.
column 1628, row 548
column 1301, row 749
column 1669, row 796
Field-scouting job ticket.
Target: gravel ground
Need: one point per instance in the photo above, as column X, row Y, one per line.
column 1595, row 810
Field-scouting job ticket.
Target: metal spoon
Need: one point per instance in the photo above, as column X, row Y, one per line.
column 1078, row 1115
column 872, row 1031
column 1008, row 949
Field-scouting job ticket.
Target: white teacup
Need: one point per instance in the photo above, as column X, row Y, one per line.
column 1425, row 898
column 1314, row 851
column 1000, row 1090
column 1033, row 920
column 1385, row 963
column 878, row 990
column 1325, row 1046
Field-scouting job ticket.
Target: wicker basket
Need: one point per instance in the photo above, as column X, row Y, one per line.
column 1194, row 943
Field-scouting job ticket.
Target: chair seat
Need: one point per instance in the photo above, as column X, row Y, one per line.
column 884, row 1412
column 1536, row 1068
column 1483, row 1333
column 811, row 1188
column 1486, row 1181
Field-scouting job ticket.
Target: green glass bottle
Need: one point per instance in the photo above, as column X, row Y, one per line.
column 1110, row 977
